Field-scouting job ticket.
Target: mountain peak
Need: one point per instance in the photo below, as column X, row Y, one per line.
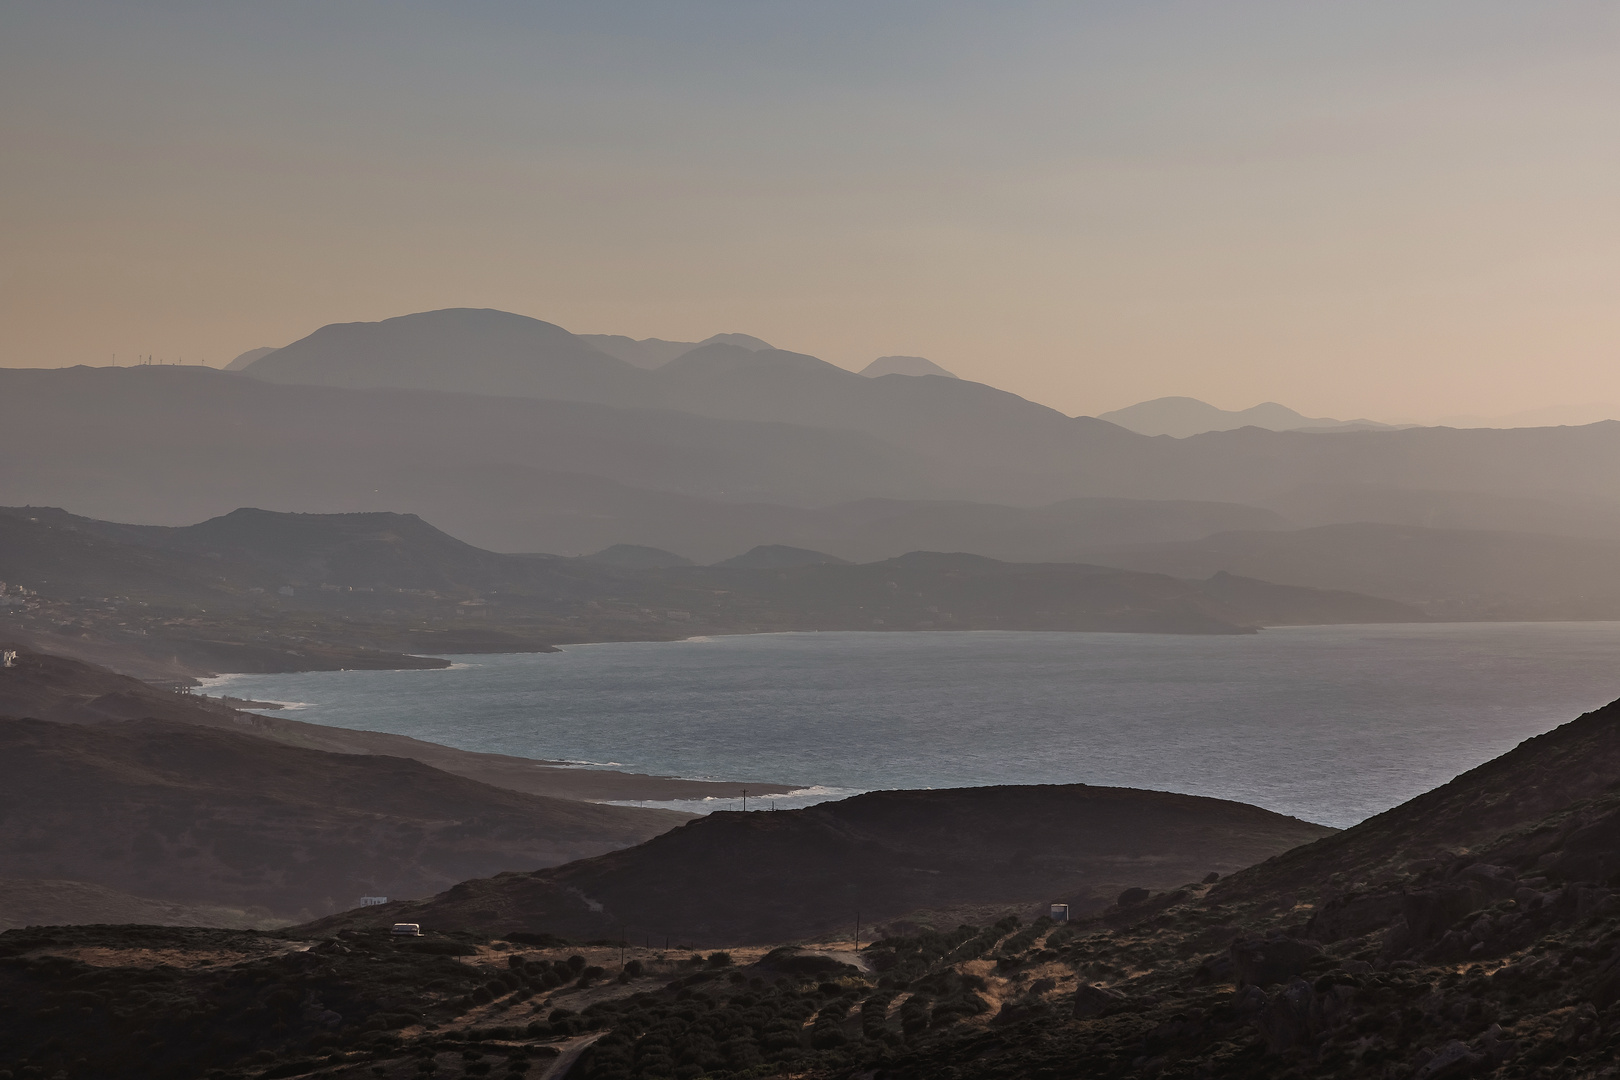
column 470, row 350
column 904, row 365
column 745, row 341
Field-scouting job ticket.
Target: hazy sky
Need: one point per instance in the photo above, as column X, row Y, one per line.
column 1355, row 208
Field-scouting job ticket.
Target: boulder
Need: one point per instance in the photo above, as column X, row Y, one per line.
column 1274, row 959
column 1092, row 1001
column 1431, row 912
column 1290, row 1017
column 1452, row 1059
column 1354, row 915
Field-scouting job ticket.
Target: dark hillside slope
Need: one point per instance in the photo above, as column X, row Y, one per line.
column 1496, row 957
column 49, row 902
column 206, row 816
column 47, row 687
column 770, row 876
column 41, row 545
column 1517, row 791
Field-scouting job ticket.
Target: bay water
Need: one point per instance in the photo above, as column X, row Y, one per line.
column 1328, row 723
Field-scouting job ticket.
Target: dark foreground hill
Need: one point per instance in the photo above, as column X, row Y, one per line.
column 1535, row 790
column 1495, row 952
column 196, row 815
column 770, row 876
column 54, row 902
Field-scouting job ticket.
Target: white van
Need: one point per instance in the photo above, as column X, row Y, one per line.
column 407, row 929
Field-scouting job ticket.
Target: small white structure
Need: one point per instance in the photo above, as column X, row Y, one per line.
column 1060, row 912
column 373, row 901
column 8, row 658
column 407, row 929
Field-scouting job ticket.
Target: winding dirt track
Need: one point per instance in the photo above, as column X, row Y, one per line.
column 570, row 1053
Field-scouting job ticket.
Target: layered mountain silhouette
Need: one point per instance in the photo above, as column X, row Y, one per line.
column 1451, row 573
column 1180, row 417
column 519, row 436
column 261, row 591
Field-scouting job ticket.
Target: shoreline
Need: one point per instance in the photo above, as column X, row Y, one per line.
column 534, row 776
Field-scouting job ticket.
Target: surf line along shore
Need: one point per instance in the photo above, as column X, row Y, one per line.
column 557, row 779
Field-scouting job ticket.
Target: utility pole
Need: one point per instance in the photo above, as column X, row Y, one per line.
column 857, row 930
column 745, row 800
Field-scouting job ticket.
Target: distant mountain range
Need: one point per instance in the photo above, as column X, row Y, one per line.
column 261, row 591
column 519, row 436
column 1462, row 574
column 1180, row 417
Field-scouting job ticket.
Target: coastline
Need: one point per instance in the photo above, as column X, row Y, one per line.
column 557, row 780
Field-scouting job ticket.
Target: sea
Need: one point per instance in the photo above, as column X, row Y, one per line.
column 1331, row 724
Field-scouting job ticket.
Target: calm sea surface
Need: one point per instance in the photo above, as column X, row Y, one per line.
column 1332, row 724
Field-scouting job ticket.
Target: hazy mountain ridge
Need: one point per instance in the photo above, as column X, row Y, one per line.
column 143, row 438
column 1181, row 417
column 464, row 350
column 989, row 437
column 257, row 591
column 1450, row 573
column 986, row 438
column 177, row 444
